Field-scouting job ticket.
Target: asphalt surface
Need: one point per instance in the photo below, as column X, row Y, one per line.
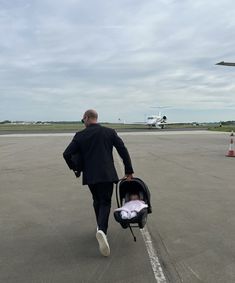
column 120, row 130
column 47, row 224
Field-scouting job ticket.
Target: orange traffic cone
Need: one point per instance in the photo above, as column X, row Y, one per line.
column 231, row 152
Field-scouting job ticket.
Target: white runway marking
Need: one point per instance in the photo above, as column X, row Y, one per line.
column 38, row 135
column 156, row 266
column 160, row 133
column 154, row 261
column 169, row 133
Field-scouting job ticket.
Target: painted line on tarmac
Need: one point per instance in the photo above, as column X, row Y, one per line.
column 204, row 132
column 155, row 263
column 170, row 133
column 37, row 135
column 153, row 258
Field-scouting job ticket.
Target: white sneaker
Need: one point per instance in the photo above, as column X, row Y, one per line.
column 103, row 243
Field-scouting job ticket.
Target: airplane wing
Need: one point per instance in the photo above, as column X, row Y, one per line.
column 171, row 123
column 134, row 123
column 226, row 64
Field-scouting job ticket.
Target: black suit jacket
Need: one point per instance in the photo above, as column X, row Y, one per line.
column 94, row 146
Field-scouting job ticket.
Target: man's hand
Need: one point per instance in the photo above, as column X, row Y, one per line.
column 77, row 174
column 128, row 177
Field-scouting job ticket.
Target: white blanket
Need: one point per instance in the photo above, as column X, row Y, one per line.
column 131, row 208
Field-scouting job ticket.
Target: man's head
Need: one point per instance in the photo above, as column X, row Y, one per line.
column 90, row 117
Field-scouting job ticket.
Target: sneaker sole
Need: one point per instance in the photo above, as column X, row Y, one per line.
column 103, row 244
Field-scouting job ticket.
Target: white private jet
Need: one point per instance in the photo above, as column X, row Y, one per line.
column 160, row 121
column 157, row 121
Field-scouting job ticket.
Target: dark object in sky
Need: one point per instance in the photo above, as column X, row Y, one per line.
column 226, row 64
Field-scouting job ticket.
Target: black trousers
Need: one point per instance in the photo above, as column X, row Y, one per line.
column 102, row 197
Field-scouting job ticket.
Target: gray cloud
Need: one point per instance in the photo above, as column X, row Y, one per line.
column 59, row 58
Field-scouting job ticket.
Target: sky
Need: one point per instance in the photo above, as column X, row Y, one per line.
column 125, row 58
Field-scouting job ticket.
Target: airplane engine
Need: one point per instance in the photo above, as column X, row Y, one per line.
column 163, row 121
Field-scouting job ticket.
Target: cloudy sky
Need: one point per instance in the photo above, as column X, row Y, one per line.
column 121, row 57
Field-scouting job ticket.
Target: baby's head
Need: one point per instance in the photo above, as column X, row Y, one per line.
column 134, row 197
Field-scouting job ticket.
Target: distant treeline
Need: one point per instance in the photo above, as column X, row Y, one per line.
column 60, row 122
column 5, row 122
column 223, row 123
column 39, row 122
column 227, row 123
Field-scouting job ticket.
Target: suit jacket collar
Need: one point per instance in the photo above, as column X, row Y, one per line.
column 94, row 125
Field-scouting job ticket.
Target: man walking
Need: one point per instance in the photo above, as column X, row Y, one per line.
column 92, row 149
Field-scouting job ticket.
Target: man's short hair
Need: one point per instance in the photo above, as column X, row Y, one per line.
column 91, row 113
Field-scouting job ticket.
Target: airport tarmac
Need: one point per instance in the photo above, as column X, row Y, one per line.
column 47, row 224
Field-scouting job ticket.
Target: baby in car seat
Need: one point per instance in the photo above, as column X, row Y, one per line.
column 131, row 208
